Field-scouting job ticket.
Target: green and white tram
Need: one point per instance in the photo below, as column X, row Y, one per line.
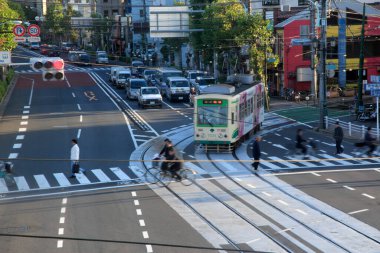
column 225, row 115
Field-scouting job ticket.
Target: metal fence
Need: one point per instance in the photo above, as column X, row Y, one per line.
column 353, row 130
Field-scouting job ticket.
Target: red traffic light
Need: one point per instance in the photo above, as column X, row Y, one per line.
column 58, row 64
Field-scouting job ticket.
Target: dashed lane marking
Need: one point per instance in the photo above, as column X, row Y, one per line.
column 62, row 220
column 27, row 107
column 22, row 129
column 142, row 223
column 282, row 202
column 287, row 138
column 79, row 108
column 25, row 112
column 349, row 188
column 138, row 212
column 13, row 156
column 136, row 202
column 61, row 231
column 81, row 118
column 59, row 243
column 368, row 196
column 133, row 194
column 20, row 137
column 64, row 201
column 358, row 211
column 331, row 180
column 63, row 210
column 17, row 145
column 267, row 194
column 315, row 174
column 252, row 186
column 79, row 133
column 24, row 117
column 300, row 211
column 24, row 123
column 149, row 248
column 145, row 234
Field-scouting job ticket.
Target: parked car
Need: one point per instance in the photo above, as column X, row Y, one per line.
column 149, row 96
column 133, row 86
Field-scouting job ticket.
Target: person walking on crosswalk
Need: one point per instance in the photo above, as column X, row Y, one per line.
column 256, row 153
column 74, row 158
column 338, row 136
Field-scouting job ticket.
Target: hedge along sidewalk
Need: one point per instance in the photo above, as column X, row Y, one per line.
column 7, row 91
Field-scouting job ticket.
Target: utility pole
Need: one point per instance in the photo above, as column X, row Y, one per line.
column 322, row 67
column 313, row 87
column 361, row 63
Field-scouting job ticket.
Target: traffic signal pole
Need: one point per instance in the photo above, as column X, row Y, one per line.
column 361, row 63
column 322, row 67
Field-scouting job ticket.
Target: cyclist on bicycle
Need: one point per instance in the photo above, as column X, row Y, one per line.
column 369, row 140
column 175, row 164
column 165, row 152
column 301, row 142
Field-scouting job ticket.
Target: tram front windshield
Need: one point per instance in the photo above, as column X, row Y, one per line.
column 212, row 115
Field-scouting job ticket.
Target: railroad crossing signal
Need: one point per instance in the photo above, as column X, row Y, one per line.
column 52, row 67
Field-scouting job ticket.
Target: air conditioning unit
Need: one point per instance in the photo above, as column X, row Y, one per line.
column 285, row 7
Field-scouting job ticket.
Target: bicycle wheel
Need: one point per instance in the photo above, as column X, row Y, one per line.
column 188, row 177
column 163, row 178
column 150, row 175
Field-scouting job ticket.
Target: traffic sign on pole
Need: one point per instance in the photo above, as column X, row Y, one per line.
column 34, row 30
column 19, row 30
column 5, row 57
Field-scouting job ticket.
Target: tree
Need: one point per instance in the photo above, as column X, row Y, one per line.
column 53, row 21
column 7, row 15
column 100, row 29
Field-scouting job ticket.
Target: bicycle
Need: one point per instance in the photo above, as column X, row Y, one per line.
column 6, row 172
column 164, row 178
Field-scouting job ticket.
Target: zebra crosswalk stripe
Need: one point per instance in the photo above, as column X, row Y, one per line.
column 101, row 175
column 61, row 179
column 287, row 164
column 305, row 163
column 194, row 167
column 41, row 181
column 270, row 165
column 325, row 163
column 119, row 173
column 82, row 179
column 3, row 185
column 21, row 183
column 351, row 157
column 336, row 159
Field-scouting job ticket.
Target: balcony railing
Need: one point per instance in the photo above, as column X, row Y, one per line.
column 270, row 2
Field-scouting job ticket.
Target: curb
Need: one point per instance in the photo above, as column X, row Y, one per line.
column 4, row 102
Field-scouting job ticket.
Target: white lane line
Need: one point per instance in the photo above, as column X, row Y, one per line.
column 271, row 165
column 61, row 231
column 349, row 188
column 31, row 94
column 24, row 123
column 82, row 179
column 81, row 118
column 101, row 175
column 62, row 220
column 149, row 248
column 120, row 174
column 277, row 134
column 24, row 117
column 25, row 112
column 237, row 179
column 378, row 170
column 287, row 138
column 138, row 212
column 61, row 179
column 17, row 145
column 191, row 156
column 79, row 108
column 300, row 211
column 13, row 156
column 73, row 94
column 142, row 223
column 358, row 211
column 63, row 210
column 68, row 84
column 145, row 234
column 41, row 181
column 133, row 194
column 264, row 153
column 27, row 107
column 305, row 163
column 315, row 174
column 79, row 133
column 252, row 186
column 3, row 185
column 59, row 243
column 22, row 129
column 282, row 202
column 136, row 202
column 328, row 144
column 331, row 180
column 368, row 196
column 64, row 201
column 267, row 194
column 20, row 137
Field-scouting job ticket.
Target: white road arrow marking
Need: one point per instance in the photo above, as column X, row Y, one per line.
column 280, row 146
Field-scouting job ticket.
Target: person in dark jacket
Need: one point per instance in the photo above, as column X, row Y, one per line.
column 369, row 140
column 338, row 136
column 301, row 142
column 256, row 153
column 175, row 164
column 165, row 153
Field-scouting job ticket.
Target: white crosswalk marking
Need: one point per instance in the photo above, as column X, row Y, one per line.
column 3, row 185
column 42, row 181
column 229, row 166
column 82, row 179
column 194, row 167
column 306, row 163
column 119, row 173
column 325, row 163
column 270, row 165
column 62, row 179
column 335, row 159
column 288, row 164
column 100, row 175
column 21, row 183
column 351, row 157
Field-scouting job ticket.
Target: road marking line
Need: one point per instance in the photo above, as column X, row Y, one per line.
column 64, row 201
column 59, row 243
column 368, row 196
column 349, row 188
column 300, row 211
column 63, row 210
column 79, row 108
column 82, row 179
column 22, row 129
column 279, row 160
column 190, row 118
column 81, row 118
column 142, row 223
column 20, row 137
column 315, row 174
column 24, row 123
column 264, row 153
column 120, row 174
column 331, row 180
column 27, row 107
column 252, row 186
column 13, row 156
column 315, row 159
column 79, row 132
column 41, row 181
column 73, row 94
column 282, row 202
column 336, row 160
column 3, row 185
column 284, row 230
column 62, row 220
column 134, row 194
column 287, row 138
column 61, row 231
column 101, row 175
column 378, row 170
column 61, row 179
column 277, row 134
column 138, row 211
column 252, row 241
column 25, row 117
column 68, row 84
column 267, row 194
column 358, row 211
column 25, row 112
column 145, row 234
column 237, row 179
column 191, row 156
column 149, row 248
column 17, row 145
column 136, row 202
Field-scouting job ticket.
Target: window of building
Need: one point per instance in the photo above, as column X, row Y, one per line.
column 141, row 13
column 270, row 2
column 115, row 12
column 105, row 13
column 303, row 2
column 304, row 31
column 306, row 53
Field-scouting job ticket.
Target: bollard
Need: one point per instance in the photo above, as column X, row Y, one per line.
column 349, row 128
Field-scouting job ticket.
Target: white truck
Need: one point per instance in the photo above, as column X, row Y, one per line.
column 101, row 57
column 122, row 76
column 149, row 96
column 177, row 88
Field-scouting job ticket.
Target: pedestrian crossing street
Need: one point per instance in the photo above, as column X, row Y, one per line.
column 132, row 175
column 69, row 68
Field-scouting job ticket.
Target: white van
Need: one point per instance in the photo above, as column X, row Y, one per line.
column 112, row 76
column 122, row 76
column 101, row 57
column 177, row 88
column 163, row 74
column 133, row 86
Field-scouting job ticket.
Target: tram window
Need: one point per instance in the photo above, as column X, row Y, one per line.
column 212, row 116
